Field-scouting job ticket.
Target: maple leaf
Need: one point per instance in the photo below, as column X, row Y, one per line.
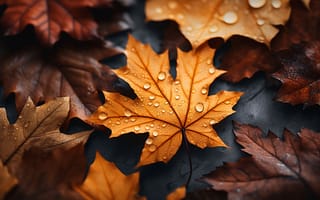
column 254, row 19
column 248, row 57
column 106, row 181
column 70, row 68
column 302, row 26
column 276, row 170
column 35, row 127
column 177, row 194
column 50, row 174
column 300, row 74
column 7, row 181
column 166, row 108
column 51, row 17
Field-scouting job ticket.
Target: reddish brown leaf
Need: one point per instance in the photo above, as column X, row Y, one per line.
column 303, row 25
column 52, row 17
column 50, row 175
column 300, row 74
column 70, row 68
column 277, row 169
column 7, row 181
column 244, row 57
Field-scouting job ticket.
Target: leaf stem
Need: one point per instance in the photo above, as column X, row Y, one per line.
column 186, row 147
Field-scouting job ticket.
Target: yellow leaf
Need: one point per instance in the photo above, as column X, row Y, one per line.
column 106, row 182
column 167, row 108
column 177, row 194
column 36, row 127
column 205, row 19
column 7, row 182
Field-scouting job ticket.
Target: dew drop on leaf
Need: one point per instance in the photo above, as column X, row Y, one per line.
column 103, row 116
column 152, row 148
column 260, row 22
column 276, row 3
column 161, row 76
column 146, row 86
column 199, row 107
column 204, row 91
column 151, row 97
column 177, row 97
column 213, row 29
column 137, row 128
column 257, row 3
column 211, row 122
column 230, row 17
column 155, row 133
column 149, row 141
column 211, row 70
column 227, row 102
column 127, row 113
column 156, row 104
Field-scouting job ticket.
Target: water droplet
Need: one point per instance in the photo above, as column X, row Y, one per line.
column 137, row 128
column 26, row 125
column 172, row 4
column 133, row 49
column 127, row 113
column 132, row 119
column 204, row 91
column 20, row 117
column 260, row 22
column 151, row 125
column 48, row 109
column 149, row 141
column 199, row 107
column 166, row 103
column 28, row 104
column 213, row 29
column 158, row 10
column 156, row 104
column 209, row 61
column 164, row 157
column 189, row 28
column 155, row 133
column 147, row 127
column 149, row 103
column 276, row 3
column 164, row 125
column 177, row 82
column 256, row 3
column 205, row 125
column 152, row 148
column 211, row 122
column 227, row 102
column 146, row 86
column 151, row 97
column 211, row 70
column 163, row 110
column 230, row 17
column 177, row 97
column 161, row 76
column 103, row 116
column 17, row 128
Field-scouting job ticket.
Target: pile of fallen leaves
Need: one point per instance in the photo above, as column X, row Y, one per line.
column 51, row 62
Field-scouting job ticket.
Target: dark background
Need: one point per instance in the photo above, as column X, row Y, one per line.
column 257, row 107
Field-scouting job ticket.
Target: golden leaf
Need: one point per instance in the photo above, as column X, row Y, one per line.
column 167, row 108
column 7, row 182
column 36, row 127
column 202, row 20
column 177, row 194
column 106, row 181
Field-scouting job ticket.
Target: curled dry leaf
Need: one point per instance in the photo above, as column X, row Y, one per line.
column 168, row 109
column 202, row 20
column 300, row 75
column 303, row 25
column 276, row 170
column 70, row 68
column 35, row 127
column 244, row 57
column 7, row 181
column 52, row 17
column 106, row 181
column 177, row 194
column 50, row 174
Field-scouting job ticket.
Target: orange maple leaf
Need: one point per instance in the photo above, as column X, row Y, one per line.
column 254, row 19
column 106, row 181
column 50, row 17
column 169, row 109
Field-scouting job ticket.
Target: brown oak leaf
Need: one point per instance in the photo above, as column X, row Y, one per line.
column 35, row 127
column 302, row 26
column 7, row 181
column 106, row 181
column 70, row 68
column 202, row 20
column 276, row 169
column 169, row 109
column 50, row 174
column 244, row 57
column 51, row 17
column 300, row 75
